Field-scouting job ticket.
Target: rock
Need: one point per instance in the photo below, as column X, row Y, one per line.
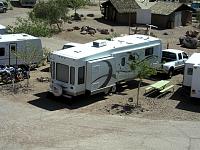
column 76, row 28
column 91, row 32
column 70, row 22
column 90, row 15
column 181, row 39
column 165, row 33
column 190, row 42
column 111, row 30
column 104, row 31
column 70, row 30
column 84, row 32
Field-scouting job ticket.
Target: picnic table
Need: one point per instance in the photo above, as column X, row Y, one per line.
column 159, row 85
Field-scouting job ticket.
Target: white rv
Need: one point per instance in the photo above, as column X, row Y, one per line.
column 11, row 43
column 2, row 29
column 191, row 77
column 100, row 65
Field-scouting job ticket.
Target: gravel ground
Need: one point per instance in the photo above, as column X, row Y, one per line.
column 173, row 106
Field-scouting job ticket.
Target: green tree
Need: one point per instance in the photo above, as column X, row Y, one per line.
column 51, row 12
column 76, row 4
column 143, row 69
column 29, row 55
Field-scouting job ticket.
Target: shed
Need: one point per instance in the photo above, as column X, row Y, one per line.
column 161, row 14
column 170, row 14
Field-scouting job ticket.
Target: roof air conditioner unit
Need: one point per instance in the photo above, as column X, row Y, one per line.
column 99, row 43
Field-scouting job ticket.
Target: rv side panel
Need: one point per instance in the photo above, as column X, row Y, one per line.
column 100, row 74
column 188, row 72
column 195, row 87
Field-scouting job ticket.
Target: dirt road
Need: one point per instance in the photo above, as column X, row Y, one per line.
column 26, row 127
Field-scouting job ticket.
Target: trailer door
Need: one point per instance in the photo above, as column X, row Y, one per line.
column 195, row 87
column 12, row 53
column 100, row 74
column 123, row 71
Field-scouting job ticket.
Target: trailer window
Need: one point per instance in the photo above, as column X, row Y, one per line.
column 81, row 75
column 13, row 48
column 123, row 60
column 62, row 72
column 2, row 51
column 72, row 75
column 149, row 51
column 190, row 71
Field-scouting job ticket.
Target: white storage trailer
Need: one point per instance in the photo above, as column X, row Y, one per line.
column 191, row 77
column 11, row 43
column 98, row 66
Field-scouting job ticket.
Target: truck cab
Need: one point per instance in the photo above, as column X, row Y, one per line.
column 172, row 60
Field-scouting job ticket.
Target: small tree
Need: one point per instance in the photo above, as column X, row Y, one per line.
column 76, row 4
column 143, row 69
column 29, row 55
column 51, row 12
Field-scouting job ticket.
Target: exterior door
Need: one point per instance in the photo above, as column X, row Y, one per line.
column 122, row 66
column 12, row 53
column 177, row 21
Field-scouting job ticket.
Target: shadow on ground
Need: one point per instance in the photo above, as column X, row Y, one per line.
column 186, row 103
column 129, row 85
column 52, row 103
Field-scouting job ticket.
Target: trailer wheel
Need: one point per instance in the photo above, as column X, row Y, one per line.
column 170, row 73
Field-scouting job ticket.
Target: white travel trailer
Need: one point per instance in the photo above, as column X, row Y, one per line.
column 2, row 29
column 191, row 77
column 11, row 43
column 100, row 65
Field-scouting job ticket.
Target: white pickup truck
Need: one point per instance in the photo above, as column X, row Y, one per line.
column 172, row 60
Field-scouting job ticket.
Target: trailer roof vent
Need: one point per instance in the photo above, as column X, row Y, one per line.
column 99, row 43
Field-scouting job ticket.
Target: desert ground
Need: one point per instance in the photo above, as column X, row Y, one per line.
column 175, row 106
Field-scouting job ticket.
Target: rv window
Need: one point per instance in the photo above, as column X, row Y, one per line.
column 149, row 51
column 81, row 75
column 62, row 72
column 72, row 75
column 179, row 56
column 123, row 61
column 13, row 47
column 190, row 71
column 2, row 51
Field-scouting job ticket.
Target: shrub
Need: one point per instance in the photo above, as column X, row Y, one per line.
column 35, row 28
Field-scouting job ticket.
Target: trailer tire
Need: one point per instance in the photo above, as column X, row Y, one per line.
column 170, row 73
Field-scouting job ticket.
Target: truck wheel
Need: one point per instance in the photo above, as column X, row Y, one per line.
column 170, row 73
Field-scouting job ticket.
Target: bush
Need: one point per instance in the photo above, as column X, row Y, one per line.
column 35, row 28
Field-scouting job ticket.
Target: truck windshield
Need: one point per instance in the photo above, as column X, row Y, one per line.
column 168, row 56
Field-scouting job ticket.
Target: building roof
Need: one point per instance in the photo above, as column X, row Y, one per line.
column 126, row 6
column 15, row 37
column 118, row 44
column 165, row 8
column 162, row 8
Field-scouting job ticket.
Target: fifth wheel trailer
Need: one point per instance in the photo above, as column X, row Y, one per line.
column 191, row 77
column 100, row 65
column 13, row 43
